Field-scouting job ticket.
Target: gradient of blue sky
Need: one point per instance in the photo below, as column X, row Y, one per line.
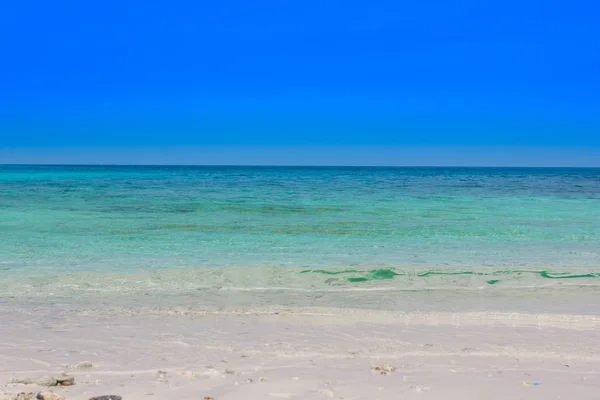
column 125, row 75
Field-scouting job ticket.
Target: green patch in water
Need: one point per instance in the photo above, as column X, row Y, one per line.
column 370, row 275
column 327, row 272
column 429, row 273
column 388, row 273
column 357, row 279
column 565, row 275
column 375, row 275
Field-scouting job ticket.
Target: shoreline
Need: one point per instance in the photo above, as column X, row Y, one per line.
column 245, row 333
column 416, row 289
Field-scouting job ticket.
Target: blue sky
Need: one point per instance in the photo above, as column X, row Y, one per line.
column 439, row 81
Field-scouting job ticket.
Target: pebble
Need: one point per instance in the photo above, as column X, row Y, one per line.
column 47, row 380
column 383, row 369
column 65, row 380
column 48, row 396
column 162, row 376
column 420, row 389
column 212, row 372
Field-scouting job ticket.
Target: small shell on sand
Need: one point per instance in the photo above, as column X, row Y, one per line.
column 84, row 365
column 420, row 389
column 211, row 372
column 383, row 369
column 161, row 376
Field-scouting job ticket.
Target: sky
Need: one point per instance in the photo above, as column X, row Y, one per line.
column 304, row 82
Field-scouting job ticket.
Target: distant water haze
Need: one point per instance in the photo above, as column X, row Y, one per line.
column 380, row 155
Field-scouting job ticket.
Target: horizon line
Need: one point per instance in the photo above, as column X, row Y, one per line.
column 322, row 156
column 292, row 166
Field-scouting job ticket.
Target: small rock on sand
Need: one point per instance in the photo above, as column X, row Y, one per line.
column 211, row 372
column 31, row 396
column 8, row 396
column 47, row 380
column 84, row 365
column 161, row 376
column 420, row 389
column 65, row 380
column 48, row 396
column 188, row 374
column 383, row 369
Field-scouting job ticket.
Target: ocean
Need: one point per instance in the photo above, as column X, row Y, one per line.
column 169, row 229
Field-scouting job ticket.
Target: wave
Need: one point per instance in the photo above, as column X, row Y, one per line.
column 391, row 273
column 282, row 279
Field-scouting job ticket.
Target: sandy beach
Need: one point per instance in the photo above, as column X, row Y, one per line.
column 299, row 353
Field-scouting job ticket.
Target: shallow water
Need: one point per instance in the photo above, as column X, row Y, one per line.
column 407, row 227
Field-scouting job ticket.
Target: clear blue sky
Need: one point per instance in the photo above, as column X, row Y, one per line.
column 107, row 81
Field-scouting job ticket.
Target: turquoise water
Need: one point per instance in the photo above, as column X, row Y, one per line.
column 482, row 222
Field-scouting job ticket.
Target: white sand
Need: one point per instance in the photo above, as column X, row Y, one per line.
column 309, row 353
